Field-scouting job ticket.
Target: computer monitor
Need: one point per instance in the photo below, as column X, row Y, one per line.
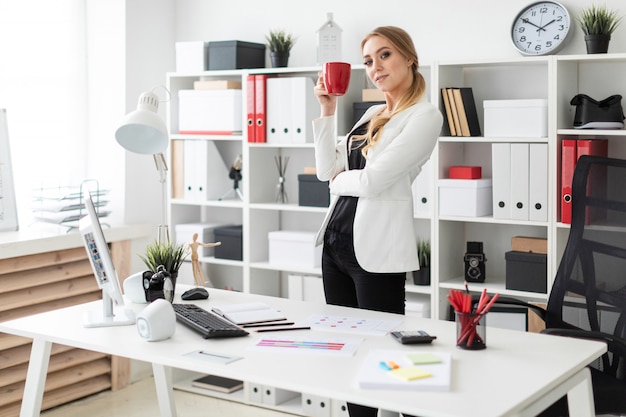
column 104, row 272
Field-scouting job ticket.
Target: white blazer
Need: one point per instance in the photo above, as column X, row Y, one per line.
column 384, row 235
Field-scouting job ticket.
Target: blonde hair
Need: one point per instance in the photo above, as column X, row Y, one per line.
column 402, row 41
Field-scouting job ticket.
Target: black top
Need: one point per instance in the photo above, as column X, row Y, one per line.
column 342, row 219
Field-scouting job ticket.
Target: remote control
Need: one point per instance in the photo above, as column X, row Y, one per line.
column 411, row 337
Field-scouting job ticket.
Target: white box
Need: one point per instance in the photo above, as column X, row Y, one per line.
column 287, row 247
column 192, row 56
column 185, row 231
column 316, row 406
column 210, row 111
column 465, row 197
column 255, row 392
column 417, row 305
column 277, row 396
column 516, row 118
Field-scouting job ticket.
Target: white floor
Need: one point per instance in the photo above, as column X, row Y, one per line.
column 139, row 400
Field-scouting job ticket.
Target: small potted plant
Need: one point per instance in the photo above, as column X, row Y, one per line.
column 422, row 276
column 280, row 43
column 170, row 254
column 598, row 23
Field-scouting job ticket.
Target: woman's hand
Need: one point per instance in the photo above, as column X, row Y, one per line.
column 328, row 103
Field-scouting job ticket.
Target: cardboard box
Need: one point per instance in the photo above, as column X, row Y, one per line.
column 312, row 192
column 290, row 247
column 228, row 55
column 372, row 94
column 231, row 238
column 210, row 111
column 526, row 271
column 516, row 118
column 185, row 231
column 217, row 85
column 465, row 197
column 529, row 244
column 465, row 172
column 191, row 56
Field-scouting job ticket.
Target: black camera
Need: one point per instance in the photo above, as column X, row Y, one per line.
column 475, row 262
column 158, row 285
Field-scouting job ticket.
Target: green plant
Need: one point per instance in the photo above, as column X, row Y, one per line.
column 170, row 255
column 598, row 20
column 279, row 40
column 423, row 252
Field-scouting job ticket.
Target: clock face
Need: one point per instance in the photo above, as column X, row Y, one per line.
column 540, row 28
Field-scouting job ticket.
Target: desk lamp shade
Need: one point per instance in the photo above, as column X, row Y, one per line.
column 143, row 131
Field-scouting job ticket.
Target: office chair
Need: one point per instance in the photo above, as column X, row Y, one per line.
column 588, row 297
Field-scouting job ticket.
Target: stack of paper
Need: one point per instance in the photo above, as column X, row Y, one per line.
column 248, row 313
column 66, row 205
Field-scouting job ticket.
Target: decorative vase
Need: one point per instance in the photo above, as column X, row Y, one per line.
column 422, row 276
column 279, row 59
column 597, row 44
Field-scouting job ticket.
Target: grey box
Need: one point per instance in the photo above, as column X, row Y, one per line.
column 312, row 192
column 360, row 107
column 231, row 238
column 227, row 55
column 526, row 271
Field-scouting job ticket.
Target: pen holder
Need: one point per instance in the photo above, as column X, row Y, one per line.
column 471, row 332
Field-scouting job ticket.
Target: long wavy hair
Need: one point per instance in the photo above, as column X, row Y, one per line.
column 402, row 41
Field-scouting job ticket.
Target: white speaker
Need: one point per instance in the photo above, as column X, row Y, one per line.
column 157, row 321
column 133, row 287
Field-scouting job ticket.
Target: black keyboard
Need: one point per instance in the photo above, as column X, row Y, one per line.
column 209, row 325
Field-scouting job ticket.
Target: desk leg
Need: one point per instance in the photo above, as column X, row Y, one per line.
column 165, row 393
column 580, row 397
column 36, row 378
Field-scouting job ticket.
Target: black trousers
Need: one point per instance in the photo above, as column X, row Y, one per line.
column 347, row 284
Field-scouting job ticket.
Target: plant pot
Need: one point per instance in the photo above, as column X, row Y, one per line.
column 422, row 276
column 279, row 59
column 597, row 44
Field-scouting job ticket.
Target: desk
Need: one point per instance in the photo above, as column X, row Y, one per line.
column 519, row 374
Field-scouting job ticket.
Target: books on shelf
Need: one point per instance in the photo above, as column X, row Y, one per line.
column 218, row 383
column 249, row 313
column 461, row 113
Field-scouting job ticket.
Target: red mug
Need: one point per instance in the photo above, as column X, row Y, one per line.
column 336, row 77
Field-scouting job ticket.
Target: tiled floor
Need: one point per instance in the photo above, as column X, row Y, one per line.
column 139, row 400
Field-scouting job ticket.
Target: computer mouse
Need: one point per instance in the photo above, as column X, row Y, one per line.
column 197, row 293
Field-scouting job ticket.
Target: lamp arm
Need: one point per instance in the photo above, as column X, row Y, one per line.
column 161, row 165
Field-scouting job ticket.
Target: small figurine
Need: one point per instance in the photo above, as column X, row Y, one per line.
column 195, row 262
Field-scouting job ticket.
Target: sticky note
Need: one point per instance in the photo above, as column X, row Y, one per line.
column 409, row 373
column 423, row 358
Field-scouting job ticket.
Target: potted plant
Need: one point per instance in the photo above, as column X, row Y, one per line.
column 422, row 276
column 598, row 23
column 280, row 43
column 170, row 254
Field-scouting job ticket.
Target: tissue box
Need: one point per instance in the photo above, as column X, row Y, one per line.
column 231, row 238
column 526, row 271
column 312, row 192
column 209, row 111
column 287, row 247
column 516, row 118
column 191, row 56
column 227, row 55
column 185, row 231
column 465, row 197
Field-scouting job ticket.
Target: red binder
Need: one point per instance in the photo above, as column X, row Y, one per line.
column 250, row 105
column 569, row 156
column 596, row 185
column 260, row 106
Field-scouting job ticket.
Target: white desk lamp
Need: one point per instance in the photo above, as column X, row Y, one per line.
column 143, row 131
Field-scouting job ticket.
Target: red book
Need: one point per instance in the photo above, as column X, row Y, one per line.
column 569, row 156
column 250, row 105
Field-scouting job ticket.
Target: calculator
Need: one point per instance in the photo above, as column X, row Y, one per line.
column 411, row 337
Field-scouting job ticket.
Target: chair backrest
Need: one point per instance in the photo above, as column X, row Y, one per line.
column 589, row 290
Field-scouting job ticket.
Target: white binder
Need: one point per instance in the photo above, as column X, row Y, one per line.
column 278, row 110
column 189, row 169
column 205, row 173
column 303, row 109
column 423, row 191
column 519, row 181
column 501, row 180
column 538, row 182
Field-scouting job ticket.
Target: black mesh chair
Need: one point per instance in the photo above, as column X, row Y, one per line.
column 588, row 297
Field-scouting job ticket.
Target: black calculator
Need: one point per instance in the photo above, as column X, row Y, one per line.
column 412, row 337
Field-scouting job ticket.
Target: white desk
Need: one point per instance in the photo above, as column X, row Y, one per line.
column 519, row 374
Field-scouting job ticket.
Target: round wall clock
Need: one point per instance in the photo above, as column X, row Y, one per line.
column 540, row 28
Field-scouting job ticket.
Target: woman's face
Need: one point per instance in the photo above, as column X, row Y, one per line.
column 386, row 67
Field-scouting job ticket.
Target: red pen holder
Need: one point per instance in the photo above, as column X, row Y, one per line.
column 471, row 332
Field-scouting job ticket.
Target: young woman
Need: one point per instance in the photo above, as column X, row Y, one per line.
column 368, row 233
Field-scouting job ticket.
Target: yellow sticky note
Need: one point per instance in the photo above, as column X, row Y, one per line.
column 423, row 358
column 410, row 373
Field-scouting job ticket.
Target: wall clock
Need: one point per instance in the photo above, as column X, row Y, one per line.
column 540, row 28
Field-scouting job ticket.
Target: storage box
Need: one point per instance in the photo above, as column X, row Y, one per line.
column 227, row 55
column 465, row 172
column 231, row 238
column 277, row 396
column 287, row 247
column 360, row 107
column 372, row 94
column 191, row 56
column 516, row 118
column 312, row 192
column 529, row 244
column 526, row 271
column 210, row 111
column 185, row 231
column 465, row 197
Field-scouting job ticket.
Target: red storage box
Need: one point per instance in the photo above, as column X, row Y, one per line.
column 465, row 173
